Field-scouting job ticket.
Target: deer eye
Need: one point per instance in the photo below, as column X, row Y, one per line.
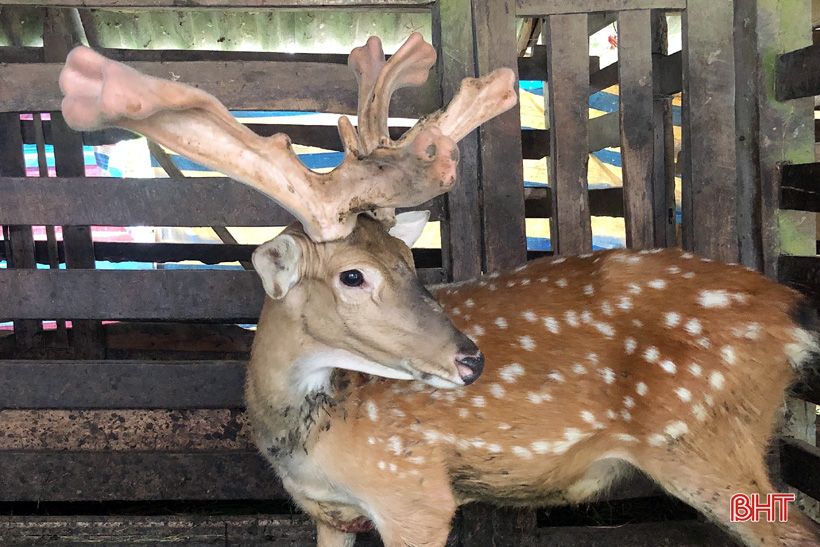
column 351, row 278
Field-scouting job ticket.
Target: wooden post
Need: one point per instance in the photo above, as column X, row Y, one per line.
column 501, row 164
column 461, row 235
column 709, row 159
column 568, row 106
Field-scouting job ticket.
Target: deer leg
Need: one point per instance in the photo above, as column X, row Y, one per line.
column 688, row 478
column 327, row 536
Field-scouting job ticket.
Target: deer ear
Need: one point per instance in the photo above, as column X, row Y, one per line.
column 277, row 263
column 409, row 226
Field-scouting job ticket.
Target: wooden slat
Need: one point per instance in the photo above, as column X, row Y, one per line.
column 797, row 74
column 603, row 202
column 604, row 132
column 800, row 187
column 461, row 234
column 801, row 273
column 121, row 384
column 72, row 476
column 568, row 116
column 252, row 85
column 710, row 168
column 197, row 430
column 225, row 4
column 637, row 134
column 677, row 533
column 175, row 530
column 502, row 171
column 540, row 8
column 215, row 295
column 799, row 463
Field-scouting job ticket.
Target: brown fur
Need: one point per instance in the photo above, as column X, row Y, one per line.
column 557, row 416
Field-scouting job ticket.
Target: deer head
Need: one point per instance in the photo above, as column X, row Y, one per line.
column 353, row 285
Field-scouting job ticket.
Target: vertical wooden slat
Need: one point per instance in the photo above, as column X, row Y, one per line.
column 20, row 243
column 461, row 234
column 568, row 106
column 62, row 31
column 663, row 172
column 709, row 170
column 637, row 137
column 501, row 162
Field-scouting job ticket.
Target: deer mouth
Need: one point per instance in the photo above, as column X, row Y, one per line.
column 470, row 367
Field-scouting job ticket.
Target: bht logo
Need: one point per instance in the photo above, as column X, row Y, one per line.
column 745, row 508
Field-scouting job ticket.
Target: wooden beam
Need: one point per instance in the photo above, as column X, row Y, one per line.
column 663, row 169
column 678, row 533
column 252, row 85
column 709, row 205
column 121, row 384
column 604, row 132
column 603, row 202
column 223, row 4
column 501, row 167
column 799, row 188
column 541, row 8
column 797, row 74
column 801, row 273
column 637, row 133
column 566, row 38
column 799, row 463
column 74, row 476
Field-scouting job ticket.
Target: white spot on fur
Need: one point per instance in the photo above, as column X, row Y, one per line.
column 504, row 427
column 589, row 290
column 688, row 275
column 673, row 270
column 455, row 311
column 417, row 460
column 382, row 465
column 695, row 369
column 693, row 327
column 592, row 357
column 463, row 413
column 641, row 389
column 555, row 375
column 520, row 268
column 397, row 412
column 540, row 447
column 750, row 331
column 656, row 440
column 630, row 345
column 728, row 354
column 627, row 438
column 372, row 411
column 716, row 380
column 651, row 354
column 713, row 299
column 510, row 373
column 561, row 283
column 588, row 416
column 738, row 297
column 478, row 401
column 607, row 374
column 558, row 260
column 394, row 444
column 522, row 452
column 393, row 467
column 586, row 317
column 501, row 323
column 469, row 303
column 611, row 414
column 526, row 342
column 604, row 328
column 668, row 366
column 578, row 368
column 657, row 284
column 684, row 394
column 606, row 308
column 494, row 448
column 552, row 325
column 676, row 429
column 699, row 411
column 625, row 303
column 571, row 318
column 634, row 288
column 629, row 402
column 497, row 391
column 525, row 282
column 626, row 415
column 704, row 343
column 637, row 322
column 687, row 256
column 538, row 398
column 801, row 350
column 529, row 316
column 371, row 440
column 672, row 319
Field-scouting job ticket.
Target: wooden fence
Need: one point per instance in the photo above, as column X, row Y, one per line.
column 149, row 408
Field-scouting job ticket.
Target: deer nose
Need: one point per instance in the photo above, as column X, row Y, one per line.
column 470, row 367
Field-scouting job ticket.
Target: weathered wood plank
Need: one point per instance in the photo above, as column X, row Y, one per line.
column 194, row 430
column 216, row 295
column 800, row 187
column 799, row 463
column 225, row 4
column 502, row 170
column 256, row 530
column 72, row 476
column 121, row 384
column 801, row 273
column 540, row 8
column 710, row 164
column 251, row 85
column 604, row 132
column 637, row 135
column 461, row 234
column 603, row 202
column 797, row 74
column 678, row 533
column 566, row 39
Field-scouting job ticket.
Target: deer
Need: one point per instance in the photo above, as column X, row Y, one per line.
column 385, row 405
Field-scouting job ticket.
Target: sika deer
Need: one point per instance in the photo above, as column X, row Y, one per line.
column 595, row 365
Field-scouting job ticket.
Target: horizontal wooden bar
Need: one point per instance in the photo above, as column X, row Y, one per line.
column 121, row 384
column 250, row 85
column 100, row 476
column 801, row 273
column 193, row 201
column 800, row 187
column 678, row 533
column 797, row 74
column 196, row 430
column 209, row 295
column 222, row 4
column 604, row 202
column 172, row 530
column 604, row 132
column 541, row 8
column 799, row 462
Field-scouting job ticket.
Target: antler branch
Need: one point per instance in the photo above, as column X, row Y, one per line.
column 376, row 173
